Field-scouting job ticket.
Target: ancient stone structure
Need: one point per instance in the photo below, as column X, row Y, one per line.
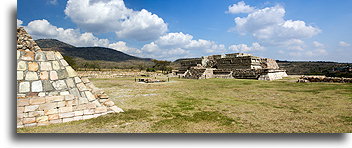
column 50, row 91
column 236, row 65
column 305, row 79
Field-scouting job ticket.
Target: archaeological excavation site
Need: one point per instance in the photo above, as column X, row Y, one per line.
column 49, row 89
column 237, row 65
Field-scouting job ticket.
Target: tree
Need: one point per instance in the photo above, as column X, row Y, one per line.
column 70, row 61
column 162, row 65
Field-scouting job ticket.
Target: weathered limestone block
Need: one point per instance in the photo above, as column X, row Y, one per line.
column 59, row 85
column 18, row 54
column 61, row 104
column 22, row 102
column 75, row 92
column 69, row 97
column 79, row 113
column 88, row 117
column 41, row 94
column 116, row 109
column 22, row 66
column 44, row 75
column 53, row 117
column 55, row 121
column 89, row 96
column 50, row 55
column 28, row 56
column 96, row 102
column 56, row 65
column 35, row 114
column 63, row 62
column 28, row 120
column 101, row 109
column 53, row 93
column 33, row 66
column 42, row 123
column 45, row 66
column 20, row 110
column 31, row 124
column 66, row 115
column 63, row 93
column 65, row 109
column 31, row 76
column 82, row 87
column 67, row 120
column 71, row 72
column 91, row 105
column 24, row 87
column 88, row 111
column 53, row 75
column 58, row 55
column 47, row 86
column 82, row 100
column 62, row 73
column 52, row 111
column 70, row 83
column 47, row 107
column 40, row 56
column 78, row 118
column 78, row 80
column 85, row 80
column 37, row 100
column 41, row 118
column 37, row 86
column 19, row 75
column 30, row 108
column 109, row 103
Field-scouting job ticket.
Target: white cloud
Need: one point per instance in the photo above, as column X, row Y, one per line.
column 344, row 44
column 121, row 46
column 173, row 45
column 317, row 44
column 240, row 7
column 19, row 23
column 269, row 26
column 113, row 16
column 245, row 48
column 53, row 2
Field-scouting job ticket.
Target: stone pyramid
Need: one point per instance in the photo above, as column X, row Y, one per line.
column 49, row 89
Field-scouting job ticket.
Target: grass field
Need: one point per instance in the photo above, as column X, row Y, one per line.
column 218, row 106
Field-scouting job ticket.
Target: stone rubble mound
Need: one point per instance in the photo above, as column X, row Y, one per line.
column 49, row 89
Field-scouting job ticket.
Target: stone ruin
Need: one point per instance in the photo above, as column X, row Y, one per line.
column 49, row 89
column 236, row 65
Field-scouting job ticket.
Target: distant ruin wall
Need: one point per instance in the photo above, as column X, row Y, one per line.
column 324, row 79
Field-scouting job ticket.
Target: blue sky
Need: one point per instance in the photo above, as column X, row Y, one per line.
column 171, row 29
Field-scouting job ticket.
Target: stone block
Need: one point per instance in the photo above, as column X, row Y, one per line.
column 78, row 80
column 28, row 120
column 80, row 107
column 59, row 85
column 19, row 75
column 24, row 87
column 22, row 102
column 43, row 123
column 40, row 56
column 50, row 55
column 41, row 118
column 89, row 96
column 37, row 100
column 31, row 108
column 28, row 56
column 20, row 115
column 41, row 94
column 33, row 66
column 47, row 106
column 63, row 62
column 37, row 86
column 82, row 100
column 51, row 111
column 53, row 117
column 64, row 93
column 66, row 115
column 18, row 54
column 62, row 73
column 21, row 66
column 82, row 87
column 70, row 71
column 109, row 103
column 91, row 105
column 44, row 75
column 69, row 97
column 70, row 83
column 31, row 76
column 85, row 80
column 45, row 66
column 58, row 55
column 30, row 125
column 55, row 121
column 47, row 86
column 88, row 111
column 65, row 109
column 20, row 109
column 79, row 113
column 53, row 75
column 61, row 104
column 53, row 93
column 96, row 102
column 74, row 92
column 56, row 65
column 100, row 109
column 78, row 118
column 67, row 119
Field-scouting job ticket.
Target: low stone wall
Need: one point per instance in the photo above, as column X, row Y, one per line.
column 305, row 79
column 247, row 73
column 111, row 74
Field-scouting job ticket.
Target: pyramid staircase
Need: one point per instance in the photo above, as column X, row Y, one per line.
column 49, row 89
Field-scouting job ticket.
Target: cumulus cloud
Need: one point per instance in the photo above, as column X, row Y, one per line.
column 245, row 48
column 53, row 2
column 344, row 44
column 269, row 26
column 19, row 23
column 99, row 16
column 317, row 44
column 177, row 45
column 240, row 7
column 121, row 46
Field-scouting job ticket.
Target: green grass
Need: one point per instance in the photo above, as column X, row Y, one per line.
column 218, row 106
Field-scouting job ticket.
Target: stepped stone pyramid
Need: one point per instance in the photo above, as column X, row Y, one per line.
column 49, row 89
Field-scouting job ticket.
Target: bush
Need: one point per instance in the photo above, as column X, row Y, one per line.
column 150, row 70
